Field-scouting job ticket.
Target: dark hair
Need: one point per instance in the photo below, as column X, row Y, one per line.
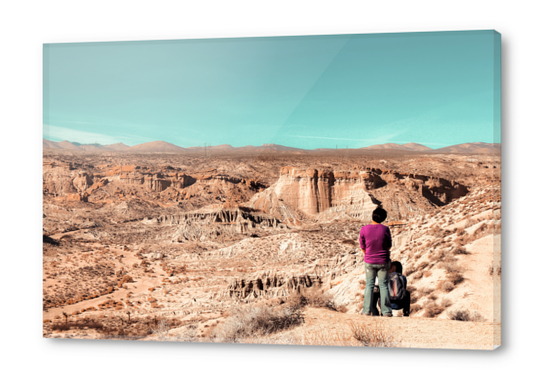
column 398, row 267
column 379, row 215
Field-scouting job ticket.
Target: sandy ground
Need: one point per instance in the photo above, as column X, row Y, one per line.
column 405, row 331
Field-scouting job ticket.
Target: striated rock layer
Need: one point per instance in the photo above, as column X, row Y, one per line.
column 355, row 193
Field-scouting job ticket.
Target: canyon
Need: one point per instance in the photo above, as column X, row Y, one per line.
column 133, row 238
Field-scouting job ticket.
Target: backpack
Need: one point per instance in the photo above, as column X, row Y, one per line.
column 396, row 287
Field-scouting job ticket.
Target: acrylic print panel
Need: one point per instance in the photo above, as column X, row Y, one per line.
column 224, row 190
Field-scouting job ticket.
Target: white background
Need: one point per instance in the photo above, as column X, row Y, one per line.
column 26, row 25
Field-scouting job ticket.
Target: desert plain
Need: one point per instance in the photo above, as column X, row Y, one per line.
column 260, row 244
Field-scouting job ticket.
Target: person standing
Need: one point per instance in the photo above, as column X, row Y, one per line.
column 375, row 242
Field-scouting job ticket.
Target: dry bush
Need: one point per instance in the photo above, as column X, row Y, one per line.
column 417, row 275
column 445, row 286
column 438, row 255
column 409, row 270
column 411, row 288
column 460, row 251
column 465, row 315
column 374, row 335
column 455, row 278
column 445, row 302
column 313, row 297
column 432, row 309
column 436, row 232
column 451, row 267
column 422, row 265
column 427, row 274
column 415, row 308
column 256, row 321
column 342, row 308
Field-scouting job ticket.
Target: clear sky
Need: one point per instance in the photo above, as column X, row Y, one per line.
column 437, row 89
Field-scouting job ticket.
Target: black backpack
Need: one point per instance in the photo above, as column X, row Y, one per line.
column 396, row 286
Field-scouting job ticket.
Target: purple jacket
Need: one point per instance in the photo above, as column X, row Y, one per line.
column 375, row 239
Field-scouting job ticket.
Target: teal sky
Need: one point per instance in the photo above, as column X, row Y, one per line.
column 437, row 89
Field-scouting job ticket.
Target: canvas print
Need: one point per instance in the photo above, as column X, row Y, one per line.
column 337, row 190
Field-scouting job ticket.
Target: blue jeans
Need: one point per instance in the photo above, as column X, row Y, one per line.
column 371, row 272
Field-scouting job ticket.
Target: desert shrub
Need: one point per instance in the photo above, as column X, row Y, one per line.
column 432, row 296
column 342, row 308
column 313, row 297
column 448, row 258
column 374, row 335
column 460, row 251
column 438, row 255
column 422, row 265
column 436, row 232
column 256, row 320
column 413, row 298
column 451, row 267
column 465, row 315
column 417, row 275
column 455, row 278
column 427, row 274
column 408, row 270
column 446, row 286
column 445, row 302
column 432, row 309
column 411, row 288
column 415, row 308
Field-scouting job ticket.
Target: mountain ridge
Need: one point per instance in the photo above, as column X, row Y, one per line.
column 162, row 146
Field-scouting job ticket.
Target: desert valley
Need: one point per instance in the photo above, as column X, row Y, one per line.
column 259, row 244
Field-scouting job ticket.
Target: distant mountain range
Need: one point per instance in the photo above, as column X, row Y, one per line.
column 166, row 147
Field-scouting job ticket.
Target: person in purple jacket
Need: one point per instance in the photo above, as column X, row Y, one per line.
column 375, row 242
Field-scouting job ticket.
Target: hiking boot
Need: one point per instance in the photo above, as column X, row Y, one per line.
column 388, row 315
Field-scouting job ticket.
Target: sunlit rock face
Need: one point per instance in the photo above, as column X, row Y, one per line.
column 315, row 191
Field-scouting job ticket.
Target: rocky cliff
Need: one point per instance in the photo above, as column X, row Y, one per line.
column 308, row 193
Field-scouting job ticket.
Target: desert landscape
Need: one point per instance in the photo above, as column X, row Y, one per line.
column 259, row 244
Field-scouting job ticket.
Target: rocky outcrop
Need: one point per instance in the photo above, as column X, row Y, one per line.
column 158, row 182
column 314, row 191
column 268, row 284
column 355, row 193
column 437, row 190
column 218, row 223
column 272, row 283
column 83, row 181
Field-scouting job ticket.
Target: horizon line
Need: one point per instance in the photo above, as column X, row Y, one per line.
column 269, row 144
